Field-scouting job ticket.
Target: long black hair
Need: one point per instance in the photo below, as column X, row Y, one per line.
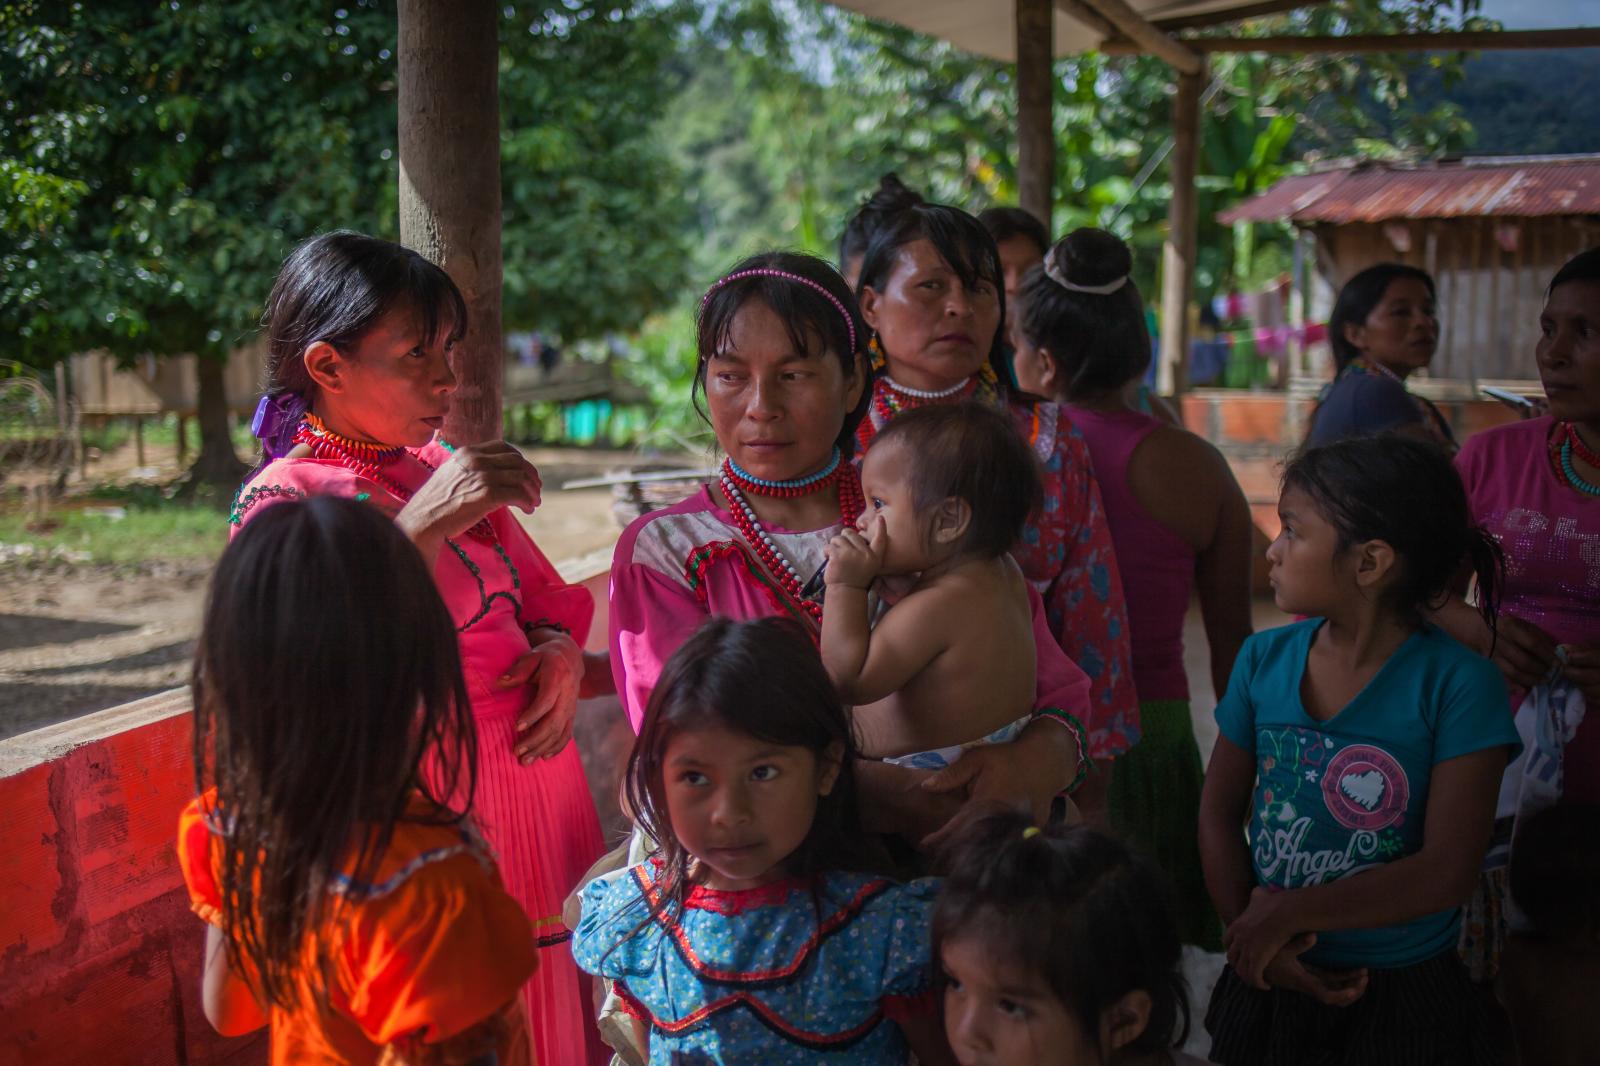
column 1360, row 297
column 1077, row 908
column 763, row 679
column 336, row 286
column 327, row 670
column 814, row 323
column 1099, row 340
column 961, row 240
column 1405, row 492
column 890, row 198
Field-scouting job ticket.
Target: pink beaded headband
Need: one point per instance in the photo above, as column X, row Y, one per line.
column 765, row 272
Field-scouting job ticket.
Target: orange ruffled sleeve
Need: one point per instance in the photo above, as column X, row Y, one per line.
column 440, row 953
column 197, row 860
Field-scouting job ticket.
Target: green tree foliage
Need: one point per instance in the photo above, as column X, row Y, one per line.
column 792, row 111
column 158, row 160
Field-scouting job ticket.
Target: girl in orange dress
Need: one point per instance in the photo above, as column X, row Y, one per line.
column 350, row 907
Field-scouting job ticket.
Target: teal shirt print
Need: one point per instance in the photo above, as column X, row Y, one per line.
column 1336, row 798
column 1307, row 780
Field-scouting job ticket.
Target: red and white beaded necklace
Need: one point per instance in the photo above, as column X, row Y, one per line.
column 368, row 461
column 735, row 483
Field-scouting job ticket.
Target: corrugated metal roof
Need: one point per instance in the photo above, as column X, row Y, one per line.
column 1488, row 188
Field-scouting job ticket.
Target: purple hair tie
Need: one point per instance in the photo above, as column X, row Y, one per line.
column 767, row 272
column 276, row 419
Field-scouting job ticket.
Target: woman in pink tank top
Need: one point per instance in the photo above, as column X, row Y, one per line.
column 1179, row 524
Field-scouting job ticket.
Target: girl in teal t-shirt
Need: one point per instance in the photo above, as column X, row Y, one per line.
column 1364, row 747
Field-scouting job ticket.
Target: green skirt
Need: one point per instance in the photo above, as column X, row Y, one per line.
column 1155, row 804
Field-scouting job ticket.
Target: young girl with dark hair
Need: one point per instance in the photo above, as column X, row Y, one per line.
column 359, row 334
column 1364, row 748
column 756, row 934
column 1057, row 946
column 349, row 900
column 951, row 663
column 1384, row 326
column 1180, row 525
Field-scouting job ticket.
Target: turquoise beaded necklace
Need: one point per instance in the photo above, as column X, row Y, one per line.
column 1573, row 477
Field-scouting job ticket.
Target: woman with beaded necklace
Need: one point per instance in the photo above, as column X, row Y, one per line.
column 359, row 381
column 1535, row 485
column 932, row 291
column 780, row 347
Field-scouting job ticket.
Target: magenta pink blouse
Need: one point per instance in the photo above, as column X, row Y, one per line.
column 676, row 567
column 1157, row 564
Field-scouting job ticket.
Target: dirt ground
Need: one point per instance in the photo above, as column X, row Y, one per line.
column 77, row 638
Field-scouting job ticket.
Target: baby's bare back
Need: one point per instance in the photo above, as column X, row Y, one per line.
column 977, row 624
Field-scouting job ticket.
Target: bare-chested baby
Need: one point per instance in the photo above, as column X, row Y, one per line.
column 951, row 663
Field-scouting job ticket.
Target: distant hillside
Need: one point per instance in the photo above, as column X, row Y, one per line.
column 1528, row 103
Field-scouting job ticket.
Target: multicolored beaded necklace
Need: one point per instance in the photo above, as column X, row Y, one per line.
column 889, row 398
column 785, row 490
column 1566, row 442
column 367, row 460
column 736, row 483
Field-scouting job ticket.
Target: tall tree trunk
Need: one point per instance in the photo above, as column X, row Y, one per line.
column 450, row 184
column 217, row 464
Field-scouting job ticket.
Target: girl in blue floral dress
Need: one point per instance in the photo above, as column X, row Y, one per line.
column 750, row 936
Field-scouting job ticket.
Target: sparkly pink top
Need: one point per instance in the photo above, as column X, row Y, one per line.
column 1550, row 533
column 1157, row 564
column 676, row 567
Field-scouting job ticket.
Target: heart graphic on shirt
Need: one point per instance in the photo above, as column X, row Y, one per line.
column 1366, row 789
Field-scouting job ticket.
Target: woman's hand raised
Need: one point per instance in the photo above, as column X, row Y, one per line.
column 478, row 479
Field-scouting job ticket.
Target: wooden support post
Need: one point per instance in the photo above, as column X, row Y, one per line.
column 450, row 184
column 138, row 440
column 1036, row 139
column 1178, row 254
column 183, row 437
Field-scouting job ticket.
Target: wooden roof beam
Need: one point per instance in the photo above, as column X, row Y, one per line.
column 1468, row 41
column 1141, row 36
column 1092, row 19
column 1174, row 23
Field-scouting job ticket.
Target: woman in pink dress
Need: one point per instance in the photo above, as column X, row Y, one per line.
column 781, row 363
column 359, row 382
